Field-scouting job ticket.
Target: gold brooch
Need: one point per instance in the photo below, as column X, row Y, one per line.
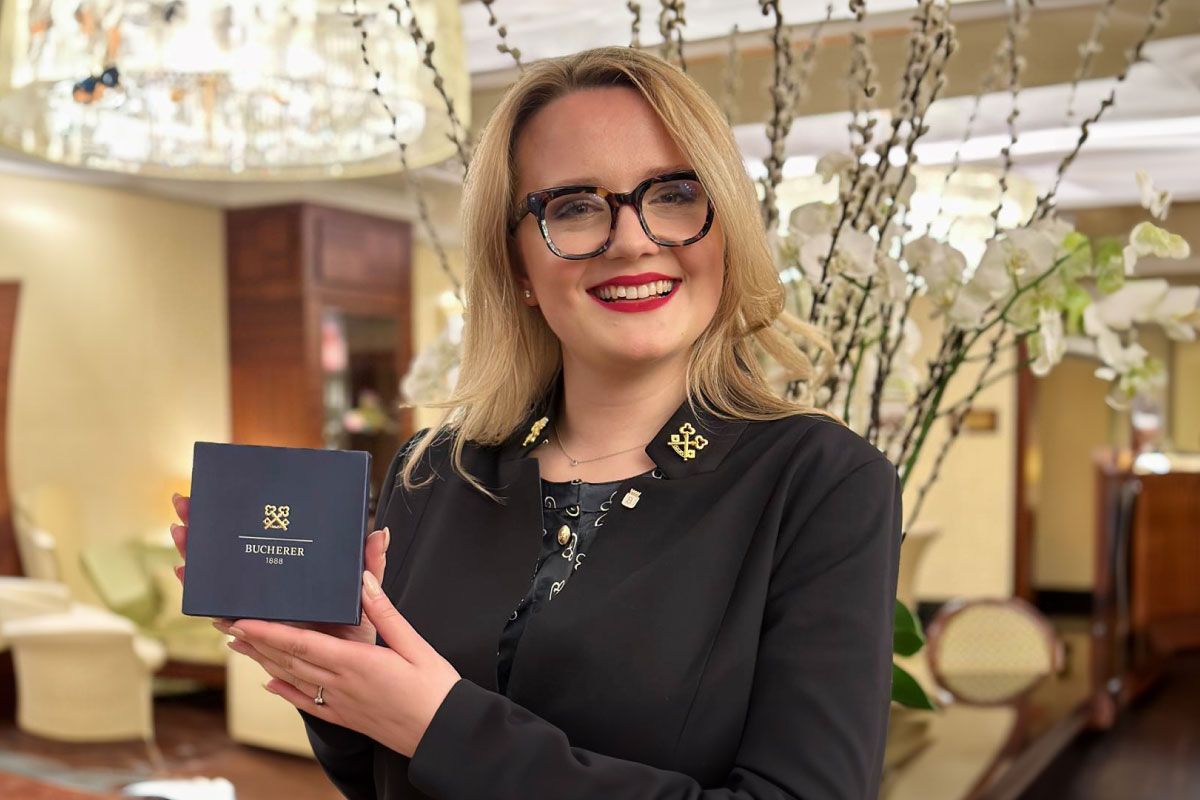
column 687, row 445
column 535, row 431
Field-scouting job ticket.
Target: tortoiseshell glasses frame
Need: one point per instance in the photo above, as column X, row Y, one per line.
column 536, row 203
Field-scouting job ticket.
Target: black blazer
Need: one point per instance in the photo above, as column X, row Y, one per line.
column 730, row 636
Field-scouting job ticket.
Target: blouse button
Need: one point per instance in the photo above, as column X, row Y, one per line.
column 564, row 534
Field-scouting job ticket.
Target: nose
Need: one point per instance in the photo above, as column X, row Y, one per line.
column 628, row 239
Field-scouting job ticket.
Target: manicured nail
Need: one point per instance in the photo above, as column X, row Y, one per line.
column 267, row 686
column 387, row 538
column 236, row 631
column 372, row 585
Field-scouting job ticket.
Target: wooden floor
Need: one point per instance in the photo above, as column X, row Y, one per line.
column 191, row 739
column 1152, row 753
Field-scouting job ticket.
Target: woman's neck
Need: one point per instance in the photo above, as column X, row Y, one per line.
column 601, row 414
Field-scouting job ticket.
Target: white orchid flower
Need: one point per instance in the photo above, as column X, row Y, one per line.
column 1147, row 239
column 1130, row 257
column 1115, row 355
column 1175, row 308
column 811, row 219
column 1054, row 228
column 1178, row 312
column 969, row 308
column 812, row 256
column 939, row 265
column 854, row 256
column 1156, row 200
column 1022, row 253
column 1051, row 343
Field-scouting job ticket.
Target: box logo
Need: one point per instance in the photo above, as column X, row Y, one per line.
column 276, row 517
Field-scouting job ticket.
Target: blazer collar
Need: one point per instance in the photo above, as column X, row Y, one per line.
column 689, row 443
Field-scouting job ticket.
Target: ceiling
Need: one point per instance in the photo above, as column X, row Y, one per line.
column 1155, row 124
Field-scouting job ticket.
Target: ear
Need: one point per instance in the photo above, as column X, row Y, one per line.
column 521, row 275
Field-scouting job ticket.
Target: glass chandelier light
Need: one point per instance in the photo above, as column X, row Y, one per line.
column 224, row 89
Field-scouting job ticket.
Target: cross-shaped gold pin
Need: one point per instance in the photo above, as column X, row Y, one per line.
column 687, row 445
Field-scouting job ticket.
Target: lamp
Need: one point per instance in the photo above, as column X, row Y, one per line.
column 219, row 89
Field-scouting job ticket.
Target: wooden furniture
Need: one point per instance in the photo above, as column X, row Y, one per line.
column 10, row 292
column 996, row 751
column 319, row 317
column 1146, row 602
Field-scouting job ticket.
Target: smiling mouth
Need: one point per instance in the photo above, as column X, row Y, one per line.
column 625, row 294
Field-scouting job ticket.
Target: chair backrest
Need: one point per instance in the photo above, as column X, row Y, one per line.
column 36, row 548
column 119, row 577
column 990, row 651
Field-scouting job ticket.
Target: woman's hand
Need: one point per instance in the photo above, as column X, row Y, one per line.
column 387, row 693
column 374, row 560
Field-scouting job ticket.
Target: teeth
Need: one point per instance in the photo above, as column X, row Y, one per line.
column 631, row 292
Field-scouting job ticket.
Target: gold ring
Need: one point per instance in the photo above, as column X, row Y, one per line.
column 320, row 698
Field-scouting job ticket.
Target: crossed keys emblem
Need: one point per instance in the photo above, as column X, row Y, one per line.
column 276, row 517
column 687, row 445
column 535, row 431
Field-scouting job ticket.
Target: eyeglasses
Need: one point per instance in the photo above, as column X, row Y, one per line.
column 578, row 221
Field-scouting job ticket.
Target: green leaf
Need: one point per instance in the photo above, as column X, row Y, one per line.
column 907, row 692
column 907, row 637
column 1078, row 262
column 1077, row 300
column 1110, row 266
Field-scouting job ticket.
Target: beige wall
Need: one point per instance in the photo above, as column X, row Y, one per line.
column 120, row 358
column 972, row 500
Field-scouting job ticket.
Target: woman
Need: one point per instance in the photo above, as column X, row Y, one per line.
column 714, row 567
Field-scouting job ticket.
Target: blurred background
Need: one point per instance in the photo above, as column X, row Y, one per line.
column 238, row 222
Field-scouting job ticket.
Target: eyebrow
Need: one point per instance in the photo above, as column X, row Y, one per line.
column 589, row 180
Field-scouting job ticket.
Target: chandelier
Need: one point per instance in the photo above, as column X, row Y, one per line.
column 220, row 89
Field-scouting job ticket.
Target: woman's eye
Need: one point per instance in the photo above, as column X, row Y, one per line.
column 676, row 194
column 575, row 208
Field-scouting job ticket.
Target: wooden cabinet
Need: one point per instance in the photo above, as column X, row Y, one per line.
column 1146, row 602
column 319, row 328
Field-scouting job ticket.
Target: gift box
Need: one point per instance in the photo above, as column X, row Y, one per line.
column 276, row 533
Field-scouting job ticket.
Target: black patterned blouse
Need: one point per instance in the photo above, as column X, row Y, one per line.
column 572, row 515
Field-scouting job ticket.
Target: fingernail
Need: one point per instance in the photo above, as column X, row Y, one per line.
column 236, row 631
column 372, row 585
column 387, row 538
column 221, row 626
column 174, row 497
column 236, row 646
column 267, row 686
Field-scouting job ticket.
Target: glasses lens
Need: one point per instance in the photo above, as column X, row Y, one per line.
column 675, row 211
column 578, row 223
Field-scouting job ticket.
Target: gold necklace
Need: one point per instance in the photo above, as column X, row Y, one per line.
column 577, row 462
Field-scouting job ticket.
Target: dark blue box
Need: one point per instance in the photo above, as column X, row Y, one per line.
column 276, row 533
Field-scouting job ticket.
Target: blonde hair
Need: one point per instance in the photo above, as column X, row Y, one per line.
column 510, row 355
